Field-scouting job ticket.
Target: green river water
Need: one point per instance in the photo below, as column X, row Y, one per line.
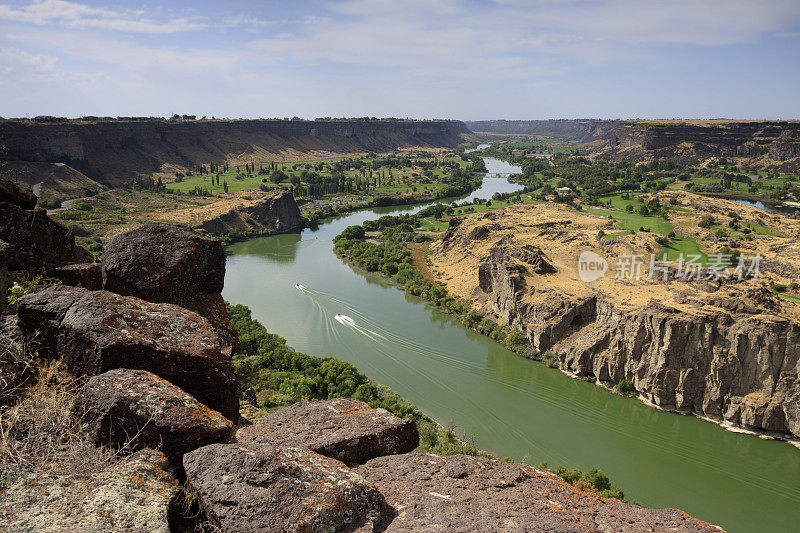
column 509, row 405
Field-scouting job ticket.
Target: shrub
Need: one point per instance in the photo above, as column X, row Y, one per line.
column 550, row 358
column 707, row 221
column 625, row 387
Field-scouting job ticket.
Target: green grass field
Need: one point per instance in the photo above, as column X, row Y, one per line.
column 402, row 181
column 632, row 222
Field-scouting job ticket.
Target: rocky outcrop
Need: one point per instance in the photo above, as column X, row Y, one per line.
column 137, row 495
column 464, row 493
column 97, row 331
column 344, row 429
column 36, row 241
column 728, row 349
column 172, row 264
column 32, row 244
column 137, row 409
column 112, row 151
column 507, row 266
column 259, row 487
column 273, row 212
column 13, row 193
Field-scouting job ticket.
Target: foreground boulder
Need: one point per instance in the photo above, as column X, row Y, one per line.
column 163, row 263
column 97, row 331
column 138, row 409
column 464, row 493
column 344, row 429
column 136, row 495
column 170, row 264
column 258, row 487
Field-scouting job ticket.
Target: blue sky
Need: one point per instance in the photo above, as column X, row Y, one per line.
column 465, row 59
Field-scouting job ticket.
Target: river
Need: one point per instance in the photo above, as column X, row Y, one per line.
column 509, row 405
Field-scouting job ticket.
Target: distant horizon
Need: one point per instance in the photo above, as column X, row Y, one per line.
column 134, row 118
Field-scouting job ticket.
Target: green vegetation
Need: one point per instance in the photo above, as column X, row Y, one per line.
column 281, row 376
column 379, row 180
column 594, row 481
column 625, row 387
column 21, row 288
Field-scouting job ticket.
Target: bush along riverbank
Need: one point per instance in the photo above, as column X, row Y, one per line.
column 391, row 258
column 281, row 376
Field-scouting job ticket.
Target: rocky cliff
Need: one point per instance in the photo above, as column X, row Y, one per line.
column 274, row 211
column 112, row 152
column 728, row 350
column 569, row 130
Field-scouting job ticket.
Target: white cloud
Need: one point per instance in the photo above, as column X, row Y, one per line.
column 76, row 15
column 15, row 62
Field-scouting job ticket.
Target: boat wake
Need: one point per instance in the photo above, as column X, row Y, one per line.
column 349, row 322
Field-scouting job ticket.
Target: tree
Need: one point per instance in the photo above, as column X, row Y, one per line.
column 224, row 184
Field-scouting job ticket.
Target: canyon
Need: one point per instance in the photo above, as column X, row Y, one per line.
column 770, row 144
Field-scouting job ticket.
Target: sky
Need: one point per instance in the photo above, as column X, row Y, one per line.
column 458, row 59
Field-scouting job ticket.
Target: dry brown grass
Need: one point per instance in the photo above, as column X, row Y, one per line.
column 40, row 434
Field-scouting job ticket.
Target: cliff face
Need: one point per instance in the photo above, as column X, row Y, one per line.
column 727, row 350
column 569, row 130
column 773, row 144
column 741, row 367
column 112, row 152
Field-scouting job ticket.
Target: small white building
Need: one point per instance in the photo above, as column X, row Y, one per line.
column 563, row 191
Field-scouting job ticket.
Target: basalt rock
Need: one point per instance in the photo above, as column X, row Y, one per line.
column 465, row 493
column 163, row 263
column 97, row 331
column 86, row 275
column 137, row 496
column 171, row 264
column 275, row 212
column 344, row 429
column 737, row 361
column 13, row 193
column 138, row 409
column 36, row 241
column 259, row 487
